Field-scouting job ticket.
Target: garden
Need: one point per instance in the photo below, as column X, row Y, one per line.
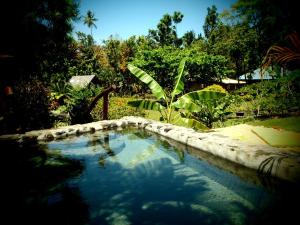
column 205, row 93
column 159, row 76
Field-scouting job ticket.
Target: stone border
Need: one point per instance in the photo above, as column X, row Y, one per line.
column 265, row 159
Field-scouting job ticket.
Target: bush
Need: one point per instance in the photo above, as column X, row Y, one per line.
column 117, row 109
column 29, row 106
column 269, row 98
column 215, row 87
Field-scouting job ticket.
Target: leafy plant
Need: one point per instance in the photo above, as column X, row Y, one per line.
column 118, row 108
column 283, row 54
column 167, row 104
column 163, row 104
column 28, row 107
column 204, row 106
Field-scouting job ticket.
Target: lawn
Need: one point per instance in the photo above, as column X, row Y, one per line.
column 288, row 123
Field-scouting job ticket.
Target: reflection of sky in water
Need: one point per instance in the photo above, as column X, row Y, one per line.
column 129, row 180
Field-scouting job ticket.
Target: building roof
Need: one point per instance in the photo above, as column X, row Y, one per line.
column 232, row 81
column 256, row 75
column 82, row 81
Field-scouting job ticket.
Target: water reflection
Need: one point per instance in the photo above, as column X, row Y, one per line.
column 145, row 180
column 34, row 186
column 136, row 178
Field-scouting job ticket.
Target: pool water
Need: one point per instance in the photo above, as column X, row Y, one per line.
column 135, row 177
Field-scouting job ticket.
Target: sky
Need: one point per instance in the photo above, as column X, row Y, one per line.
column 124, row 18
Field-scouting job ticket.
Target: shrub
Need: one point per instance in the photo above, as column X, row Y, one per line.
column 117, row 109
column 268, row 98
column 215, row 87
column 30, row 106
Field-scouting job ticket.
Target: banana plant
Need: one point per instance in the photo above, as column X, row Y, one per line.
column 197, row 102
column 187, row 102
column 158, row 92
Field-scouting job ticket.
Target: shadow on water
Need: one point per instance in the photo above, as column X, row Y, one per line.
column 279, row 209
column 34, row 186
column 149, row 193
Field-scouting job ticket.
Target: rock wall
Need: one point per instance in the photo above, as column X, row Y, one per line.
column 266, row 160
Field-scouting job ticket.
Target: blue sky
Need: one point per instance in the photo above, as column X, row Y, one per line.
column 124, row 18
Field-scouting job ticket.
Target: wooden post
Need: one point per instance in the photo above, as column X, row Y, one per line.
column 103, row 94
column 105, row 107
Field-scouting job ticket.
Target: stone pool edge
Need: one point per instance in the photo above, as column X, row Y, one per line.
column 264, row 159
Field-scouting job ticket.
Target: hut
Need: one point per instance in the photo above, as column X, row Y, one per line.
column 257, row 75
column 84, row 81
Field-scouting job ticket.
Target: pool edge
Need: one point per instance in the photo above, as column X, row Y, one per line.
column 266, row 160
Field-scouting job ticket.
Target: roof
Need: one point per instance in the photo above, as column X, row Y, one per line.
column 256, row 75
column 232, row 81
column 81, row 81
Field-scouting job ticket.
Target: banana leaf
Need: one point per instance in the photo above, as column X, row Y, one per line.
column 187, row 104
column 192, row 123
column 155, row 88
column 146, row 104
column 202, row 96
column 179, row 85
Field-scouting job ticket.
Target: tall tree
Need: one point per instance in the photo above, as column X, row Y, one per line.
column 211, row 21
column 273, row 20
column 166, row 33
column 90, row 20
column 188, row 38
column 37, row 35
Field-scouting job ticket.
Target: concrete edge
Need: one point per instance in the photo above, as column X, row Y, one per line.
column 266, row 160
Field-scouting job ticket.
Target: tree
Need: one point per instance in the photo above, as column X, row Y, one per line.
column 113, row 51
column 211, row 21
column 272, row 20
column 90, row 20
column 284, row 55
column 166, row 33
column 188, row 38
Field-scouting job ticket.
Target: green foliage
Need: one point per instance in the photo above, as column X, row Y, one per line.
column 199, row 101
column 78, row 104
column 28, row 107
column 37, row 36
column 215, row 87
column 118, row 108
column 271, row 21
column 90, row 20
column 211, row 21
column 266, row 98
column 188, row 38
column 155, row 88
column 166, row 34
column 161, row 63
column 204, row 106
column 158, row 92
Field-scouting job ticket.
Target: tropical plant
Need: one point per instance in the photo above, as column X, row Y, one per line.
column 283, row 54
column 163, row 103
column 166, row 105
column 204, row 106
column 90, row 20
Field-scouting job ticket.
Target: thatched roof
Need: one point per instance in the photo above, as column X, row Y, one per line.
column 82, row 81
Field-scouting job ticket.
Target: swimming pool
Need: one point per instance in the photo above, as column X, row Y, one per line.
column 136, row 177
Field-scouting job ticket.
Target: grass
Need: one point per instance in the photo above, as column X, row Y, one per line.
column 118, row 108
column 278, row 138
column 289, row 123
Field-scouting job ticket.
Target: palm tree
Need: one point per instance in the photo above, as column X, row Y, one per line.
column 90, row 20
column 283, row 54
